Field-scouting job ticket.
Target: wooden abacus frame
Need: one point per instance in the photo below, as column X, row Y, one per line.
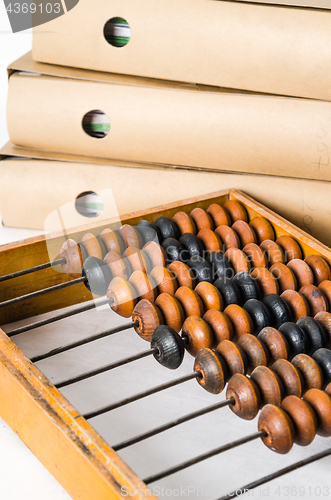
column 75, row 454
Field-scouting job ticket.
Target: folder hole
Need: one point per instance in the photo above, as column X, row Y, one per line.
column 89, row 204
column 96, row 124
column 117, row 32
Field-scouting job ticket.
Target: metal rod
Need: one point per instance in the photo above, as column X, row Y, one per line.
column 277, row 474
column 30, row 270
column 141, row 395
column 106, row 368
column 205, row 456
column 173, row 423
column 87, row 340
column 65, row 315
column 40, row 293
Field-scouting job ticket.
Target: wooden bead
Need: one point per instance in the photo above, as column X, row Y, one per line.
column 256, row 256
column 319, row 267
column 164, row 280
column 314, row 333
column 236, row 210
column 196, row 335
column 297, row 304
column 245, row 233
column 182, row 273
column 273, row 251
column 149, row 317
column 321, row 404
column 201, row 269
column 71, row 252
column 97, row 276
column 328, row 389
column 247, row 286
column 296, row 339
column 325, row 286
column 303, row 418
column 112, row 241
column 137, row 259
column 316, row 299
column 212, row 371
column 266, row 282
column 290, row 247
column 201, row 219
column 210, row 240
column 229, row 291
column 279, row 429
column 324, row 319
column 190, row 300
column 174, row 250
column 246, row 396
column 167, row 227
column 255, row 350
column 303, row 273
column 118, row 265
column 91, row 246
column 263, row 229
column 219, row 215
column 185, row 223
column 168, row 346
column 234, row 357
column 210, row 296
column 130, row 236
column 275, row 342
column 102, row 246
column 228, row 237
column 269, row 384
column 192, row 245
column 323, row 358
column 278, row 310
column 171, row 310
column 123, row 295
column 238, row 259
column 241, row 320
column 285, row 277
column 144, row 286
column 291, row 378
column 148, row 233
column 220, row 325
column 221, row 267
column 310, row 371
column 156, row 254
column 259, row 314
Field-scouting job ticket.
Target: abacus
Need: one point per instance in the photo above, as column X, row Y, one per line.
column 271, row 350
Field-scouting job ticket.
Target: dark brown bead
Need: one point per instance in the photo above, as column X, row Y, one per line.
column 246, row 396
column 210, row 240
column 285, row 277
column 273, row 252
column 219, row 215
column 124, row 297
column 201, row 219
column 91, row 246
column 130, row 236
column 171, row 310
column 112, row 241
column 321, row 404
column 290, row 247
column 303, row 273
column 156, row 254
column 238, row 259
column 118, row 265
column 144, row 286
column 236, row 210
column 197, row 335
column 255, row 350
column 210, row 296
column 220, row 324
column 228, row 237
column 303, row 418
column 71, row 252
column 271, row 387
column 185, row 223
column 256, row 256
column 311, row 372
column 279, row 429
column 183, row 274
column 234, row 357
column 149, row 317
column 319, row 267
column 316, row 299
column 245, row 232
column 276, row 343
column 324, row 319
column 190, row 300
column 164, row 280
column 212, row 370
column 291, row 378
column 240, row 319
column 297, row 304
column 266, row 282
column 325, row 286
column 263, row 229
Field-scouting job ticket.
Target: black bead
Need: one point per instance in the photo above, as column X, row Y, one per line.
column 296, row 338
column 259, row 314
column 220, row 265
column 98, row 276
column 314, row 332
column 201, row 269
column 323, row 359
column 278, row 310
column 247, row 286
column 170, row 347
column 174, row 250
column 147, row 233
column 192, row 244
column 146, row 223
column 229, row 291
column 168, row 228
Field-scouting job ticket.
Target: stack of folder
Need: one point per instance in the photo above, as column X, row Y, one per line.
column 160, row 101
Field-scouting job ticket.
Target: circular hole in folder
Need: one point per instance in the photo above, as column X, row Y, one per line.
column 96, row 124
column 117, row 32
column 89, row 204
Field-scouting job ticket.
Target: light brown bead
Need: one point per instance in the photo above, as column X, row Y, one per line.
column 137, row 259
column 255, row 350
column 185, row 223
column 210, row 296
column 291, row 378
column 211, row 241
column 124, row 297
column 297, row 304
column 303, row 418
column 240, row 319
column 238, row 259
column 275, row 342
column 273, row 252
column 256, row 256
column 219, row 215
column 91, row 246
column 236, row 210
column 228, row 237
column 234, row 357
column 130, row 236
column 245, row 233
column 118, row 265
column 321, row 404
column 279, row 428
column 266, row 282
column 201, row 219
column 328, row 389
column 182, row 273
column 197, row 335
column 269, row 384
column 290, row 247
column 310, row 370
column 303, row 273
column 190, row 300
column 102, row 246
column 316, row 299
column 285, row 277
column 325, row 286
column 144, row 286
column 212, row 370
column 156, row 254
column 324, row 319
column 71, row 252
column 246, row 396
column 149, row 318
column 171, row 310
column 220, row 325
column 263, row 229
column 164, row 280
column 112, row 241
column 319, row 267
